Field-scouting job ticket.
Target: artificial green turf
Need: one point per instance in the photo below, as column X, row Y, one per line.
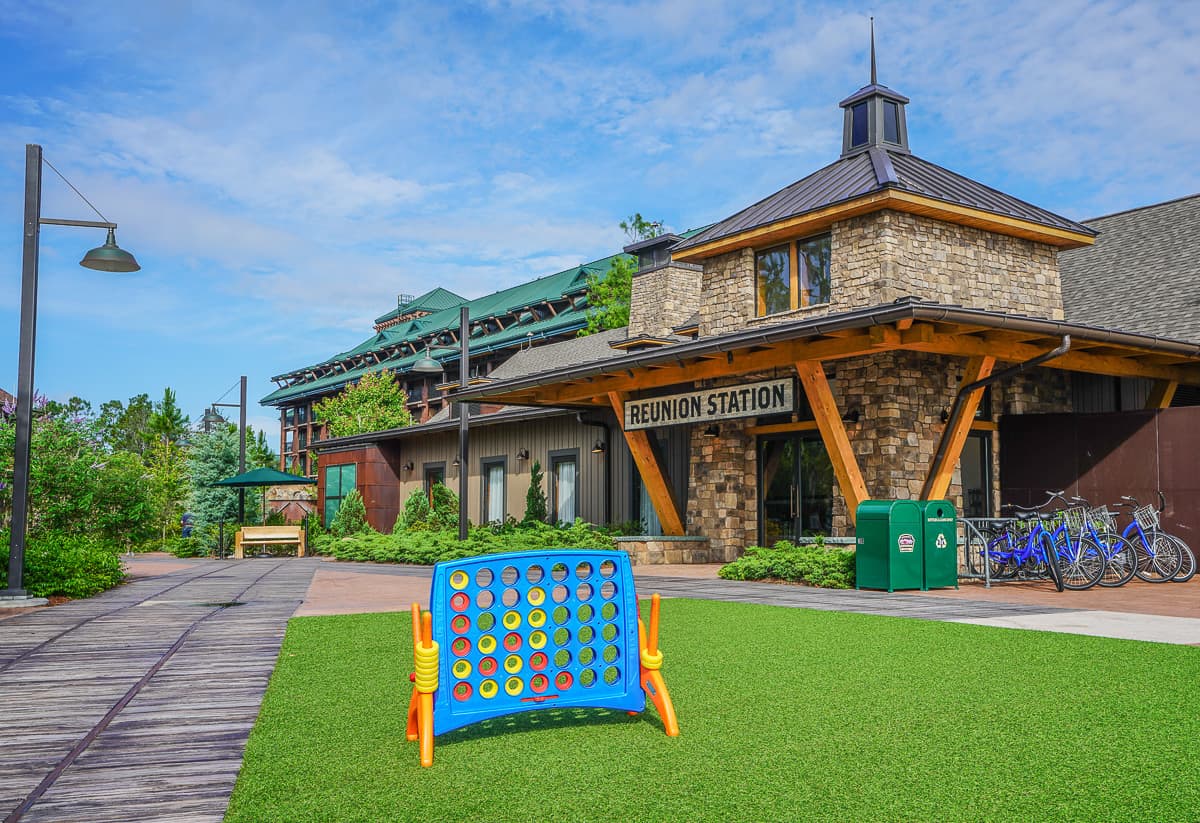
column 785, row 714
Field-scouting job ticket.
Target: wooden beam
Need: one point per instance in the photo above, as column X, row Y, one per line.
column 955, row 436
column 1161, row 394
column 833, row 433
column 777, row 428
column 650, row 467
column 968, row 346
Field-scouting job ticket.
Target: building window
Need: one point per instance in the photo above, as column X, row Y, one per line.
column 433, row 473
column 492, row 478
column 289, row 416
column 858, row 125
column 564, row 486
column 793, row 276
column 339, row 481
column 302, row 414
column 891, row 122
column 302, row 439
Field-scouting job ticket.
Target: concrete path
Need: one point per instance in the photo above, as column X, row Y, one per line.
column 136, row 704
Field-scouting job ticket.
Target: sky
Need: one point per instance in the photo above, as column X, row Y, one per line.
column 283, row 170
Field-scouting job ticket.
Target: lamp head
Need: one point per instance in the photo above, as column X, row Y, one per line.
column 110, row 257
column 427, row 365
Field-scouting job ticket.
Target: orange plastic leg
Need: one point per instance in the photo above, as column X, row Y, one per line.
column 656, row 690
column 426, row 728
column 411, row 731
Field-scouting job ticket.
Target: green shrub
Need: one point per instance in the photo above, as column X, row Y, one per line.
column 444, row 511
column 816, row 564
column 185, row 546
column 428, row 546
column 351, row 517
column 276, row 518
column 535, row 498
column 415, row 514
column 65, row 565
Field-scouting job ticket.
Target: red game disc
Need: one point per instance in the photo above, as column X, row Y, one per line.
column 460, row 602
column 488, row 666
column 460, row 624
column 538, row 683
column 538, row 661
column 512, row 641
column 461, row 646
column 563, row 680
column 462, row 691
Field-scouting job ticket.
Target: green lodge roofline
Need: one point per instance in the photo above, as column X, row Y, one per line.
column 547, row 307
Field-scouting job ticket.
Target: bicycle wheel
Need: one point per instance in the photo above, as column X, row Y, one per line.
column 1161, row 562
column 1121, row 557
column 1187, row 569
column 1082, row 565
column 1052, row 567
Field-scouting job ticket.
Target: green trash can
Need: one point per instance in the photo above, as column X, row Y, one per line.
column 941, row 544
column 890, row 545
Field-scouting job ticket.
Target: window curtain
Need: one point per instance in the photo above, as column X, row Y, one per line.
column 495, row 493
column 565, row 486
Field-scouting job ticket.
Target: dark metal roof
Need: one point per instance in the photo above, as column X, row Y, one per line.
column 1142, row 273
column 886, row 314
column 873, row 171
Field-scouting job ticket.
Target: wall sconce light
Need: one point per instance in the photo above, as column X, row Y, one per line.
column 851, row 416
column 456, row 463
column 712, row 431
column 945, row 416
column 408, row 466
column 599, row 448
column 522, row 454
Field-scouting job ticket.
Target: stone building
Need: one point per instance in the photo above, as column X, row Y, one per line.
column 861, row 333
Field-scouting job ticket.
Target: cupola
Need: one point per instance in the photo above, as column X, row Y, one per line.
column 874, row 116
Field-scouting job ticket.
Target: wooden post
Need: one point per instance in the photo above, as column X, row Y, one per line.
column 833, row 433
column 650, row 467
column 1162, row 392
column 937, row 483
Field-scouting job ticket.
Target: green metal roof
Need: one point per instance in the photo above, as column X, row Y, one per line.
column 431, row 301
column 501, row 304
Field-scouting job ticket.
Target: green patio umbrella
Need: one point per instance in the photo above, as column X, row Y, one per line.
column 263, row 478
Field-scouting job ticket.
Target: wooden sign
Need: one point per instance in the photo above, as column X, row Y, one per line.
column 724, row 403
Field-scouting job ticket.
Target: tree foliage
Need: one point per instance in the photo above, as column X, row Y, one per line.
column 609, row 294
column 375, row 403
column 535, row 498
column 351, row 516
column 213, row 456
column 124, row 427
column 167, row 423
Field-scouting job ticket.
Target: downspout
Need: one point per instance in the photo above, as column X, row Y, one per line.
column 960, row 398
column 607, row 464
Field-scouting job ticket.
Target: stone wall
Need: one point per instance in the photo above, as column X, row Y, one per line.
column 879, row 257
column 654, row 551
column 663, row 298
column 722, row 502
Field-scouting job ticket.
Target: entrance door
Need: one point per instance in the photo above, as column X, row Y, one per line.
column 795, row 481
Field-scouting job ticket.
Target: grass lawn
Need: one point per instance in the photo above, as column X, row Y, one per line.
column 785, row 714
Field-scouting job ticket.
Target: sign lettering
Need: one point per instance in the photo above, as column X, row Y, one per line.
column 725, row 403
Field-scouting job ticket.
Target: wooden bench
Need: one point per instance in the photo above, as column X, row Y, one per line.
column 268, row 536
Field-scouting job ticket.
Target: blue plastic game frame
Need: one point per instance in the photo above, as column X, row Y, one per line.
column 511, row 589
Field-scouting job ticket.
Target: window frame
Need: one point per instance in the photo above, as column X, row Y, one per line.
column 485, row 491
column 340, row 469
column 553, row 460
column 798, row 292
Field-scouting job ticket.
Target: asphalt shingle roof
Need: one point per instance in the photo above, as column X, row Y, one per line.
column 869, row 172
column 1142, row 274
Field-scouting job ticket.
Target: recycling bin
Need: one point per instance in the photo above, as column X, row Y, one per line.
column 940, row 560
column 890, row 545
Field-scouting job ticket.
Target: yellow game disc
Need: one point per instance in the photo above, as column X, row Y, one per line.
column 536, row 596
column 488, row 689
column 462, row 668
column 512, row 620
column 459, row 580
column 537, row 618
column 513, row 663
column 487, row 644
column 537, row 640
column 513, row 686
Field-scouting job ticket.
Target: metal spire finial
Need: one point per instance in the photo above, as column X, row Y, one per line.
column 872, row 51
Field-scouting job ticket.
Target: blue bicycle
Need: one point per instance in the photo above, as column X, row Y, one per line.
column 1057, row 539
column 1161, row 556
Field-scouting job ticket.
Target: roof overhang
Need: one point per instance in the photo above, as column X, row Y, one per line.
column 888, row 198
column 910, row 326
column 508, row 415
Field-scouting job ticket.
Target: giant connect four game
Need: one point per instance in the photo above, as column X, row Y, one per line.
column 522, row 631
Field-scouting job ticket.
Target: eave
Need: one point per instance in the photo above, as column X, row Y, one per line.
column 888, row 198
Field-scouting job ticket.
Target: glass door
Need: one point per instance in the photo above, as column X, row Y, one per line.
column 795, row 484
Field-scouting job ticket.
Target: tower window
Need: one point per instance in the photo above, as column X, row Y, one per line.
column 858, row 126
column 891, row 122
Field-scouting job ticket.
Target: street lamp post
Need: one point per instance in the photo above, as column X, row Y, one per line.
column 241, row 407
column 109, row 257
column 427, row 365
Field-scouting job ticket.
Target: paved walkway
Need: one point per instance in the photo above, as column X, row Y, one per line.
column 136, row 704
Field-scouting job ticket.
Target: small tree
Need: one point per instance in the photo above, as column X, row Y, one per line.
column 609, row 294
column 415, row 514
column 351, row 516
column 167, row 423
column 535, row 498
column 444, row 507
column 166, row 466
column 375, row 403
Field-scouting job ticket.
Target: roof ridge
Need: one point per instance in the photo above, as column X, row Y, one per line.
column 1143, row 208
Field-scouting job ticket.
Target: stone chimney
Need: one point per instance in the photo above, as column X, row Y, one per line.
column 665, row 294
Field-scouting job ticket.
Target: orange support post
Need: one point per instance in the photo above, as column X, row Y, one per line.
column 420, row 706
column 652, row 679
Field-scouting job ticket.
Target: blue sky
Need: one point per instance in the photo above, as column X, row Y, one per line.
column 283, row 170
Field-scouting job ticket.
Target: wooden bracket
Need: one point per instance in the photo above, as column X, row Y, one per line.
column 955, row 436
column 1162, row 392
column 833, row 433
column 650, row 466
